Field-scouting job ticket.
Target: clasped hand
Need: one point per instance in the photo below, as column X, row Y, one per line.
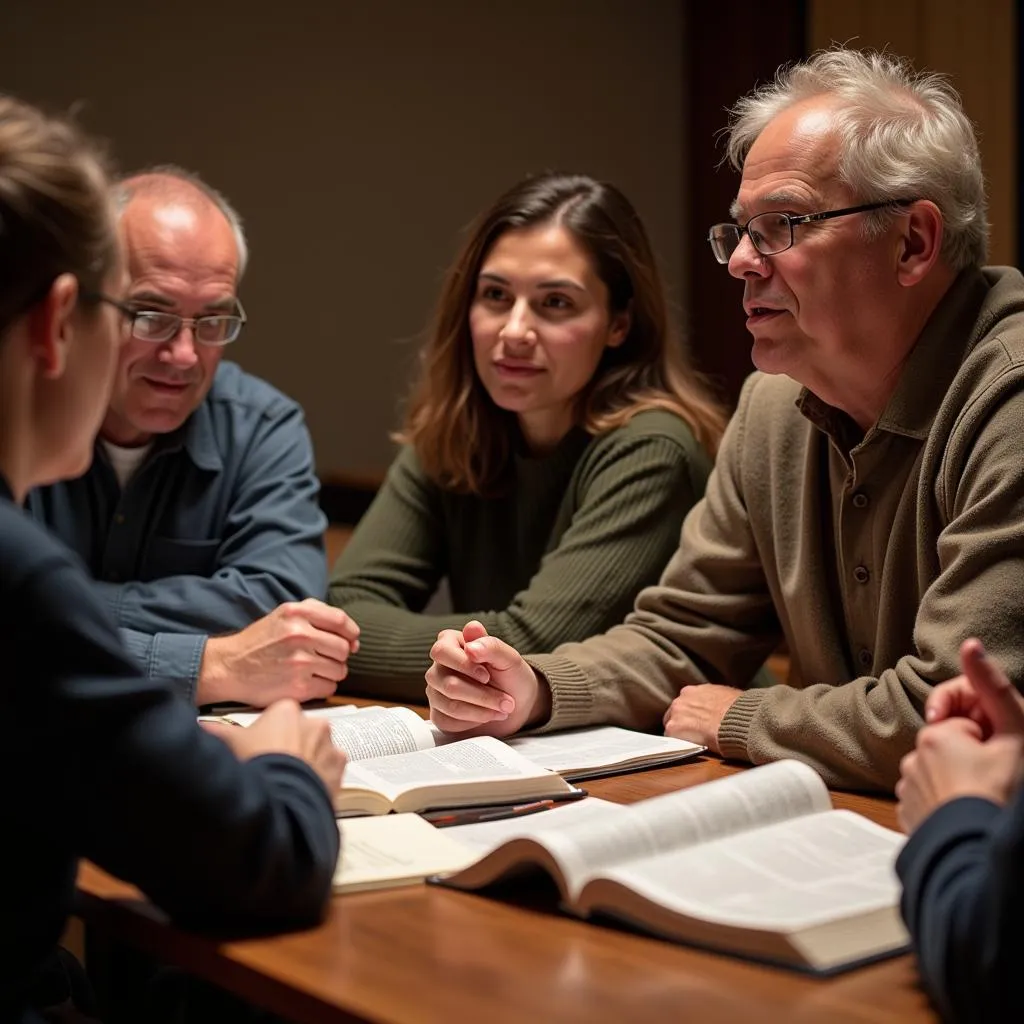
column 478, row 685
column 972, row 744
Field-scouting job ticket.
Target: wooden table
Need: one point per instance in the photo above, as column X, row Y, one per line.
column 423, row 954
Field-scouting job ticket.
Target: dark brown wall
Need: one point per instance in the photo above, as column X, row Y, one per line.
column 357, row 138
column 976, row 44
column 730, row 48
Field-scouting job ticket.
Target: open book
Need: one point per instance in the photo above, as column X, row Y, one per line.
column 602, row 750
column 399, row 762
column 365, row 732
column 756, row 864
column 481, row 770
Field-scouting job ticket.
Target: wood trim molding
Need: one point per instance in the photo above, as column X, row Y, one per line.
column 345, row 497
column 977, row 44
column 730, row 47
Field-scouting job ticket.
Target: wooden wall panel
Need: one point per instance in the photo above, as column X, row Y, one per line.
column 728, row 49
column 974, row 42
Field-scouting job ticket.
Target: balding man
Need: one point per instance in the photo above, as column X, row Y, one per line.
column 199, row 515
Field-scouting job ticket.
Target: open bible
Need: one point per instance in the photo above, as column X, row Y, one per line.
column 602, row 750
column 757, row 864
column 374, row 733
column 399, row 762
column 482, row 770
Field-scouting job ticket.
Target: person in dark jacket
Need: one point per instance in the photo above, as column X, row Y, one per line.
column 226, row 831
column 962, row 801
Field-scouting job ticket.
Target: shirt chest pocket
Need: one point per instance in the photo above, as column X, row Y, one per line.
column 166, row 556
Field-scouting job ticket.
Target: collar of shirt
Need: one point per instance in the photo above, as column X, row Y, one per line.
column 197, row 437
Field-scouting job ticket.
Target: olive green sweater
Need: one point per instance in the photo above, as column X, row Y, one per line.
column 873, row 561
column 563, row 556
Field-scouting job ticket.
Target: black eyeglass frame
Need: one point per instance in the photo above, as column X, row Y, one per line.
column 132, row 315
column 792, row 222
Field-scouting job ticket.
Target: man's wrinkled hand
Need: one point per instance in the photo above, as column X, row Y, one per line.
column 697, row 713
column 299, row 651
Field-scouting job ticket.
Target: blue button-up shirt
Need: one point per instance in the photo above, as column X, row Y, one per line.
column 218, row 526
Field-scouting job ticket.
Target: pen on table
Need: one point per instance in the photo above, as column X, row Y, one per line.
column 474, row 815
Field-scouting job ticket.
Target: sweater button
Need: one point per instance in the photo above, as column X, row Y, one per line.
column 864, row 658
column 861, row 574
column 860, row 500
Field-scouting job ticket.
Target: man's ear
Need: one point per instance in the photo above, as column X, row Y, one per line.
column 920, row 242
column 618, row 330
column 50, row 327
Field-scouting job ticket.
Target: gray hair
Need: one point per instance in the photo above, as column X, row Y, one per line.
column 902, row 135
column 155, row 180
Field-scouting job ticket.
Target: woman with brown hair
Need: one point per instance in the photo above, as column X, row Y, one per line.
column 552, row 445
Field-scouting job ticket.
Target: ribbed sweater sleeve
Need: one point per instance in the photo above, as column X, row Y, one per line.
column 634, row 487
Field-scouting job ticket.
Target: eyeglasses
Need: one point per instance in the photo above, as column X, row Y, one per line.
column 158, row 327
column 772, row 233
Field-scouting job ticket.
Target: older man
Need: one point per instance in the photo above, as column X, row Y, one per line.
column 199, row 516
column 868, row 500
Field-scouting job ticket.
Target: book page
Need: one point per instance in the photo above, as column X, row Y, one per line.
column 474, row 760
column 246, row 718
column 589, row 846
column 772, row 792
column 790, row 875
column 579, row 838
column 601, row 747
column 379, row 732
column 485, row 836
column 366, row 732
column 392, row 849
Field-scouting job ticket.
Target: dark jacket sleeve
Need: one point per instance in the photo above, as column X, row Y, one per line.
column 151, row 797
column 963, row 902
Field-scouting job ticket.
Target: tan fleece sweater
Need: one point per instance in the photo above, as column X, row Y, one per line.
column 873, row 562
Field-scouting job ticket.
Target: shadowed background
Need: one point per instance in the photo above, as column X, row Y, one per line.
column 358, row 139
